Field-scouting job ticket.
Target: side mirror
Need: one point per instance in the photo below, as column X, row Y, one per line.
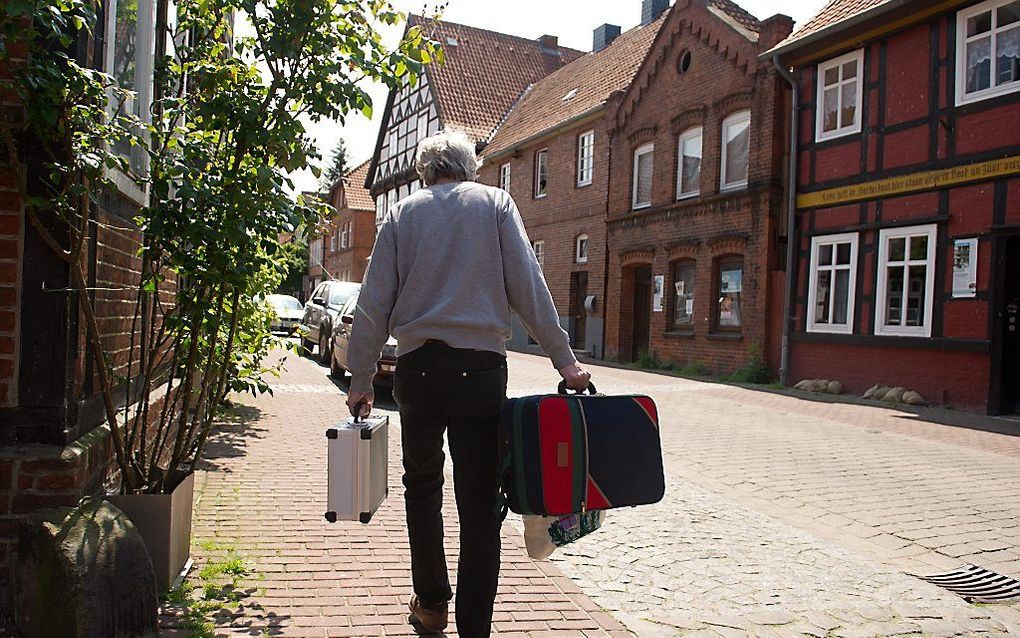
column 319, row 301
column 347, row 320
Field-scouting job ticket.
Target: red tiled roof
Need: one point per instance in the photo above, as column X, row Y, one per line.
column 832, row 14
column 356, row 195
column 485, row 73
column 588, row 81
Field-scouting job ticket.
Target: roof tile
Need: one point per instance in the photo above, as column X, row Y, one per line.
column 356, row 195
column 485, row 73
column 576, row 89
column 832, row 14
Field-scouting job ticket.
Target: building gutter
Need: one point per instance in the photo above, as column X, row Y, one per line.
column 531, row 139
column 792, row 236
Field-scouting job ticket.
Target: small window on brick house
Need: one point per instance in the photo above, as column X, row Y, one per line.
column 988, row 50
column 832, row 283
column 504, row 177
column 643, row 162
column 840, row 91
column 539, row 248
column 906, row 281
column 542, row 173
column 683, row 294
column 730, row 286
column 585, row 158
column 736, row 147
column 688, row 174
column 581, row 249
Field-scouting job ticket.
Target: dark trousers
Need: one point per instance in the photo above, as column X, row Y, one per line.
column 439, row 388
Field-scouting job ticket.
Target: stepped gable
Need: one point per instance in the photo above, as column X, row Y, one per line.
column 485, row 73
column 581, row 87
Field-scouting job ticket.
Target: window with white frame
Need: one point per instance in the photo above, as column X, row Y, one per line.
column 736, row 147
column 833, row 283
column 332, row 240
column 688, row 172
column 504, row 177
column 539, row 248
column 129, row 60
column 585, row 158
column 541, row 173
column 840, row 92
column 906, row 281
column 643, row 163
column 988, row 50
column 581, row 249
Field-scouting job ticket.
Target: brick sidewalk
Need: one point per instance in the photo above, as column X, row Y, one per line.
column 263, row 491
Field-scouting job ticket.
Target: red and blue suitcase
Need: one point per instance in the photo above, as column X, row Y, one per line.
column 565, row 453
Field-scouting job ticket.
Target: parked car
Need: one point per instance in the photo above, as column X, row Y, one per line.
column 327, row 300
column 287, row 313
column 342, row 342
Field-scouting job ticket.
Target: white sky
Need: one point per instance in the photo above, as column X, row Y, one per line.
column 570, row 20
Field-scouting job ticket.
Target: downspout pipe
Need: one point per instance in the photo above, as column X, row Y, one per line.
column 792, row 236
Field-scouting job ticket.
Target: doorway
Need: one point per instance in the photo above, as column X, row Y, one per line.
column 642, row 311
column 578, row 316
column 1006, row 313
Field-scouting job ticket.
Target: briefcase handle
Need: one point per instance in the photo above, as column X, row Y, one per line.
column 356, row 412
column 562, row 389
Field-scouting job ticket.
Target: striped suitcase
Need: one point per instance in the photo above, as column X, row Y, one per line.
column 566, row 453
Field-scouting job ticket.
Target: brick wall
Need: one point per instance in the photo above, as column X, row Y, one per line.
column 724, row 77
column 566, row 212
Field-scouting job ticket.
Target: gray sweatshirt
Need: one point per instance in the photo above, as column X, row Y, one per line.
column 450, row 262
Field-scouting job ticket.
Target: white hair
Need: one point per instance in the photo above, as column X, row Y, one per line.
column 446, row 155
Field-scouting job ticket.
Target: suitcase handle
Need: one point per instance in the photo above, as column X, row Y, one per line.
column 562, row 389
column 356, row 412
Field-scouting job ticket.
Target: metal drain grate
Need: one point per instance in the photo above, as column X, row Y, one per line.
column 977, row 584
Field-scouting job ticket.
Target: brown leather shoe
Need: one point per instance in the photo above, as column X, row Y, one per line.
column 431, row 618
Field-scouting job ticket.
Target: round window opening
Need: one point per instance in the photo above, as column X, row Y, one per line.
column 683, row 62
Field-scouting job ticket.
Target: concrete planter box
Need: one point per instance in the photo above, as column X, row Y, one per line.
column 164, row 522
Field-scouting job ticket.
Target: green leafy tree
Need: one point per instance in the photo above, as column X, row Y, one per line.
column 337, row 167
column 228, row 124
column 295, row 263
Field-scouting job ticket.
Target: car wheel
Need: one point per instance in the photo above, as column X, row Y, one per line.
column 335, row 369
column 324, row 353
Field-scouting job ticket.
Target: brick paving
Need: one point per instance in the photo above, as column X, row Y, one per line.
column 793, row 517
column 262, row 492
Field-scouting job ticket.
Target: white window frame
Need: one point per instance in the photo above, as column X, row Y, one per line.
column 733, row 119
column 578, row 257
column 504, row 177
column 144, row 68
column 816, row 244
column 881, row 298
column 855, row 127
column 541, row 165
column 539, row 249
column 585, row 158
column 685, row 137
column 961, row 53
column 639, row 152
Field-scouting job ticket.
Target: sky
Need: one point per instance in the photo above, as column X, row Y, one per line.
column 572, row 21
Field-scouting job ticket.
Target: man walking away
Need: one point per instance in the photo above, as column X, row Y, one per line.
column 450, row 263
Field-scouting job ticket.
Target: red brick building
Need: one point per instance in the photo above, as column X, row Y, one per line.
column 696, row 206
column 484, row 74
column 908, row 243
column 552, row 154
column 351, row 236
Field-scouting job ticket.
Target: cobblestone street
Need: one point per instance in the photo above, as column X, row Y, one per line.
column 783, row 517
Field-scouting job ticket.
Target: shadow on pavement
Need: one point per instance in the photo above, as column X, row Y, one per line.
column 234, row 431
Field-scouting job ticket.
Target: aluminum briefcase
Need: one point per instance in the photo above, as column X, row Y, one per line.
column 356, row 463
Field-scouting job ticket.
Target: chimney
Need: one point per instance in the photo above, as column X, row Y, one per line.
column 774, row 30
column 652, row 9
column 549, row 41
column 604, row 36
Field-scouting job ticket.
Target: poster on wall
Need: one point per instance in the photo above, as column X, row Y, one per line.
column 965, row 253
column 660, row 285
